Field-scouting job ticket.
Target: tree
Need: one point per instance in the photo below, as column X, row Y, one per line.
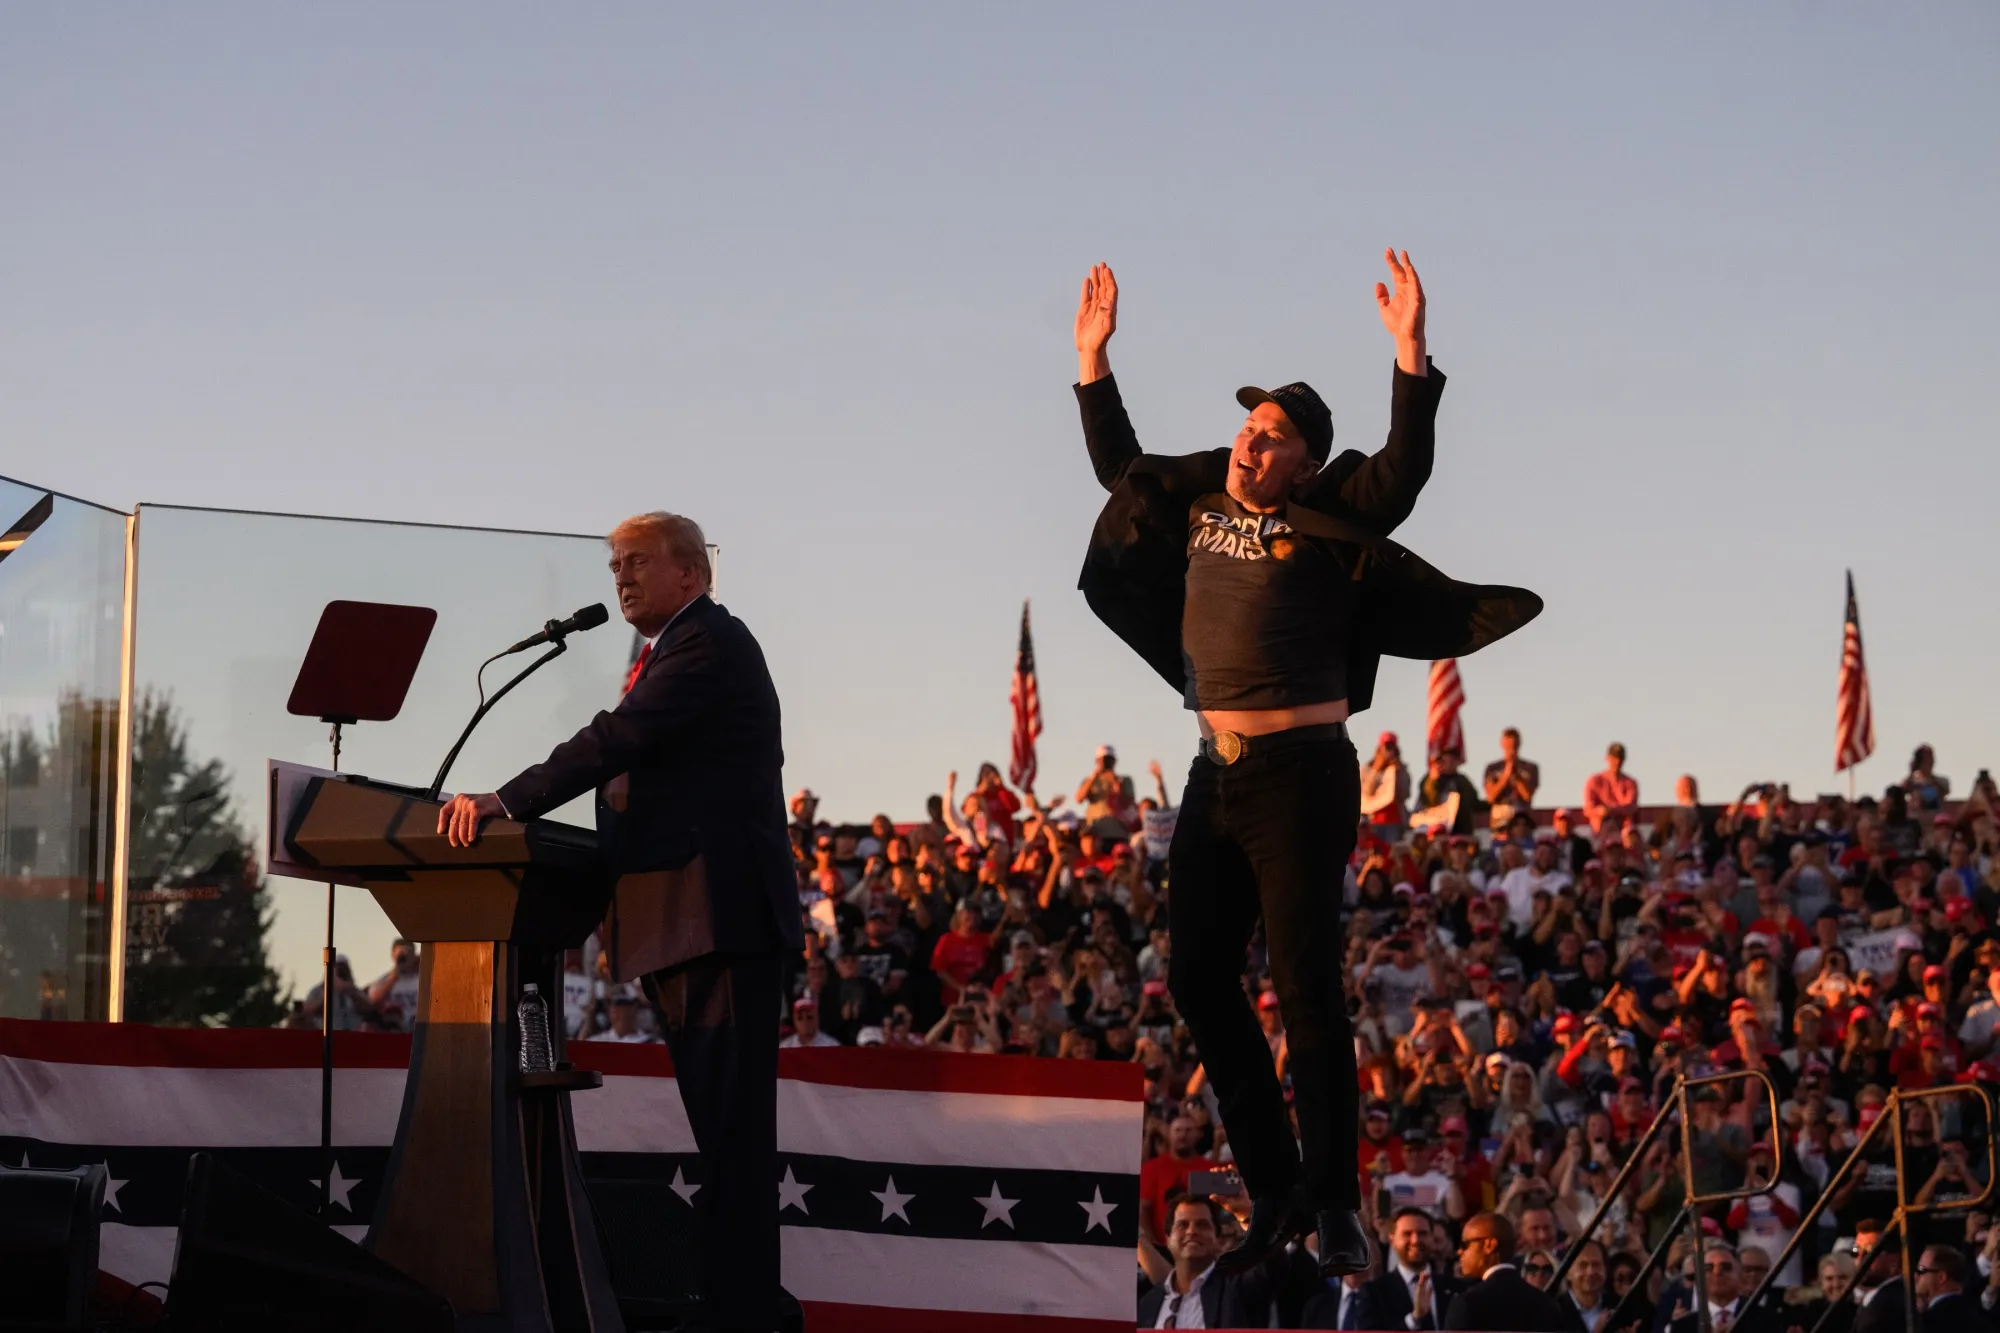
column 199, row 919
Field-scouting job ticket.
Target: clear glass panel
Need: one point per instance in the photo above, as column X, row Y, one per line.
column 62, row 600
column 227, row 604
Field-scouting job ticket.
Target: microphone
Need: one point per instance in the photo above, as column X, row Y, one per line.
column 590, row 617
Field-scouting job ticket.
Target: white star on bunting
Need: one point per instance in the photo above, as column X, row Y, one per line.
column 682, row 1188
column 111, row 1187
column 340, row 1189
column 998, row 1209
column 891, row 1201
column 792, row 1194
column 1097, row 1209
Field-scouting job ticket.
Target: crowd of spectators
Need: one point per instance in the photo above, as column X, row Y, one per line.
column 1525, row 988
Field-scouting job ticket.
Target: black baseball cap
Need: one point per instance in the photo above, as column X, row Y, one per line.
column 1304, row 407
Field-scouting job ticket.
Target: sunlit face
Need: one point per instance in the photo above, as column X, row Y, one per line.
column 652, row 586
column 1267, row 459
column 1410, row 1238
column 1586, row 1275
column 1193, row 1237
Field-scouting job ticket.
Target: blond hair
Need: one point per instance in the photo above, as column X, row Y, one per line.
column 679, row 536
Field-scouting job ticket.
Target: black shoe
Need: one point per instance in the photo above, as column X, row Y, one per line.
column 1276, row 1220
column 1343, row 1243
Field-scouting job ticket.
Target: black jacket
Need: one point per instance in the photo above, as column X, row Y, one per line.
column 1504, row 1300
column 1957, row 1313
column 1885, row 1312
column 1386, row 1304
column 1135, row 573
column 1239, row 1301
column 688, row 764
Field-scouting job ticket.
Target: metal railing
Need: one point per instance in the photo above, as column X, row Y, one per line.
column 1675, row 1105
column 1898, row 1223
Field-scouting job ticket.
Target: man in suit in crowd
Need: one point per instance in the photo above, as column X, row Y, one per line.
column 1407, row 1295
column 1724, row 1278
column 1499, row 1297
column 1584, row 1290
column 1942, row 1302
column 1878, row 1282
column 704, row 900
column 1194, row 1294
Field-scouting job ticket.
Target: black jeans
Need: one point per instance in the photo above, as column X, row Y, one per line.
column 1270, row 836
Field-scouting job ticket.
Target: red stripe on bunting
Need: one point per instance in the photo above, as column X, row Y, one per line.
column 137, row 1044
column 195, row 1048
column 835, row 1317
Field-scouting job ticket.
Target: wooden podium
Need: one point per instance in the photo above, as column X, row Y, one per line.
column 484, row 1200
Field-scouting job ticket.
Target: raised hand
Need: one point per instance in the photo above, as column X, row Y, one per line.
column 1403, row 312
column 1096, row 321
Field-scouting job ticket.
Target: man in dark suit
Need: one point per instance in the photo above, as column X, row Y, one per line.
column 1500, row 1298
column 1942, row 1302
column 1878, row 1283
column 1194, row 1240
column 1259, row 582
column 704, row 903
column 1408, row 1295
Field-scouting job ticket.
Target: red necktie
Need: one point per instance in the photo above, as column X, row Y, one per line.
column 632, row 676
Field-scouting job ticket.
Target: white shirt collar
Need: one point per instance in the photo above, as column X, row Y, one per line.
column 1403, row 1270
column 1193, row 1293
column 1496, row 1268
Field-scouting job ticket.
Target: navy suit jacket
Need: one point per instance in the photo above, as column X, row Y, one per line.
column 690, row 807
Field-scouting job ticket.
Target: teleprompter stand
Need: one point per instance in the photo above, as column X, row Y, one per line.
column 362, row 659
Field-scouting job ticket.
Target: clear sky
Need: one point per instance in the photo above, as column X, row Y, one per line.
column 1714, row 286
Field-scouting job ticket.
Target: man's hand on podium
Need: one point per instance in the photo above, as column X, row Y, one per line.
column 460, row 817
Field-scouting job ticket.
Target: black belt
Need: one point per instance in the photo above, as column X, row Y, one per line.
column 1226, row 747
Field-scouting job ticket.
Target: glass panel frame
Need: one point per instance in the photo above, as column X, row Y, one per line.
column 64, row 592
column 225, row 602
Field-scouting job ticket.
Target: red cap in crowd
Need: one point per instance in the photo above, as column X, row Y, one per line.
column 1565, row 1023
column 1268, row 1000
column 1957, row 910
column 1670, row 1033
column 1935, row 973
column 1452, row 1125
column 1478, row 972
column 1154, row 987
column 1859, row 1012
column 1741, row 1005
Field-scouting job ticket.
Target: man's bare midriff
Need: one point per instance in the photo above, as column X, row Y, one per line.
column 1264, row 721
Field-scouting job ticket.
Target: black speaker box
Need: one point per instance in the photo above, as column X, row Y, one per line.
column 48, row 1246
column 248, row 1260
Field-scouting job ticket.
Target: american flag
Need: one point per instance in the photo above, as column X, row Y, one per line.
column 920, row 1191
column 1027, row 703
column 1854, row 719
column 1447, row 696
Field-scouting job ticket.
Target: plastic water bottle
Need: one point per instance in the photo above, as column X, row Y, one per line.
column 537, row 1057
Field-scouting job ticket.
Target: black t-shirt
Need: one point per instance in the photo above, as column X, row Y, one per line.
column 1267, row 615
column 879, row 961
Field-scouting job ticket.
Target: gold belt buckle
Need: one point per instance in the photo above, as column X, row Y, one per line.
column 1225, row 748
